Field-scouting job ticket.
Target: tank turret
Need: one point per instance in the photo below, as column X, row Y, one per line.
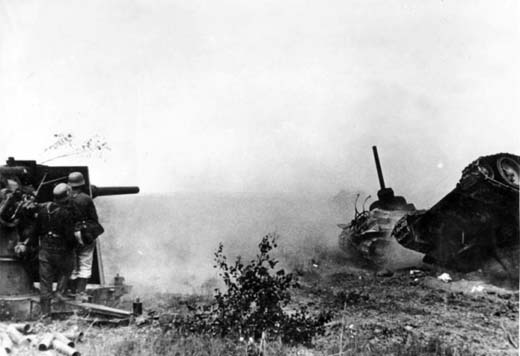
column 386, row 198
column 369, row 231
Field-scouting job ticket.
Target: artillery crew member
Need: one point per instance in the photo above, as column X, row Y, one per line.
column 87, row 229
column 55, row 229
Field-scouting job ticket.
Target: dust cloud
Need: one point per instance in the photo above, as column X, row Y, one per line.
column 165, row 243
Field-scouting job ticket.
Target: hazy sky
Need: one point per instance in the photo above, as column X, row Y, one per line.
column 263, row 96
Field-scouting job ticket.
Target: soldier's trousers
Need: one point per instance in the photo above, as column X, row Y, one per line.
column 83, row 261
column 55, row 265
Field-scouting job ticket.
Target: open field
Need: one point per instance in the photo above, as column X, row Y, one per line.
column 165, row 249
column 408, row 313
column 404, row 314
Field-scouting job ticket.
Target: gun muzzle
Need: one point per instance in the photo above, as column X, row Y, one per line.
column 104, row 191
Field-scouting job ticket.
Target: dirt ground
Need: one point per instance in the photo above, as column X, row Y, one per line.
column 385, row 310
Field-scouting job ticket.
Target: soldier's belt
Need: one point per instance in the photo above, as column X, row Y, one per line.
column 52, row 240
column 53, row 246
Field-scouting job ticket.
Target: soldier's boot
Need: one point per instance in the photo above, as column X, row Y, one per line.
column 45, row 308
column 81, row 286
column 61, row 289
column 71, row 287
column 60, row 297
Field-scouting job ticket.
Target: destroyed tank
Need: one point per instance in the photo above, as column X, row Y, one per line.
column 476, row 222
column 370, row 230
column 23, row 184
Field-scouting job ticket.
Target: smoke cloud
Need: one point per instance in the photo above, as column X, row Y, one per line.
column 165, row 243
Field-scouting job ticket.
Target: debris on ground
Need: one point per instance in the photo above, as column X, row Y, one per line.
column 445, row 277
column 477, row 289
column 384, row 273
column 24, row 338
column 415, row 306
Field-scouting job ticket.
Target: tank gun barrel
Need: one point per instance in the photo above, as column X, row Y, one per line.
column 103, row 191
column 378, row 167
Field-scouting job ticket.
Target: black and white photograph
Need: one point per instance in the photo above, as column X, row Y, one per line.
column 259, row 178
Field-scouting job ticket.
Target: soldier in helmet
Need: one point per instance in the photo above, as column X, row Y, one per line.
column 89, row 228
column 54, row 228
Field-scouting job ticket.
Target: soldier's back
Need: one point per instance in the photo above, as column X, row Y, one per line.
column 55, row 223
column 84, row 206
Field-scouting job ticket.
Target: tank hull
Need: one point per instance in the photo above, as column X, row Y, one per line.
column 370, row 233
column 472, row 222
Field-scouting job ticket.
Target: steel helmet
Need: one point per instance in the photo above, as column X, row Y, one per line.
column 61, row 192
column 76, row 179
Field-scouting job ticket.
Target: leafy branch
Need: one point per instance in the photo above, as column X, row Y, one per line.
column 67, row 142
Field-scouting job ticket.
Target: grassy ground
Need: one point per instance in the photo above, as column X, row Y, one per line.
column 404, row 314
column 149, row 341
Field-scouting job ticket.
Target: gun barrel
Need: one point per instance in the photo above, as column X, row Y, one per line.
column 103, row 191
column 378, row 167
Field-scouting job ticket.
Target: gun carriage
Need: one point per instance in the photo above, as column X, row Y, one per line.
column 23, row 184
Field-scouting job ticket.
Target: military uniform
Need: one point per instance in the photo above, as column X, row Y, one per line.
column 86, row 219
column 55, row 230
column 87, row 229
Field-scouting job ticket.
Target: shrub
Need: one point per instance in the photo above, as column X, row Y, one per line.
column 255, row 302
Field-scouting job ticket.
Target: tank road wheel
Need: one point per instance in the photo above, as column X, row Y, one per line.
column 509, row 170
column 486, row 170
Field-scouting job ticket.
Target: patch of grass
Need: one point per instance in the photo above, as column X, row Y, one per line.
column 152, row 341
column 149, row 340
column 411, row 345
